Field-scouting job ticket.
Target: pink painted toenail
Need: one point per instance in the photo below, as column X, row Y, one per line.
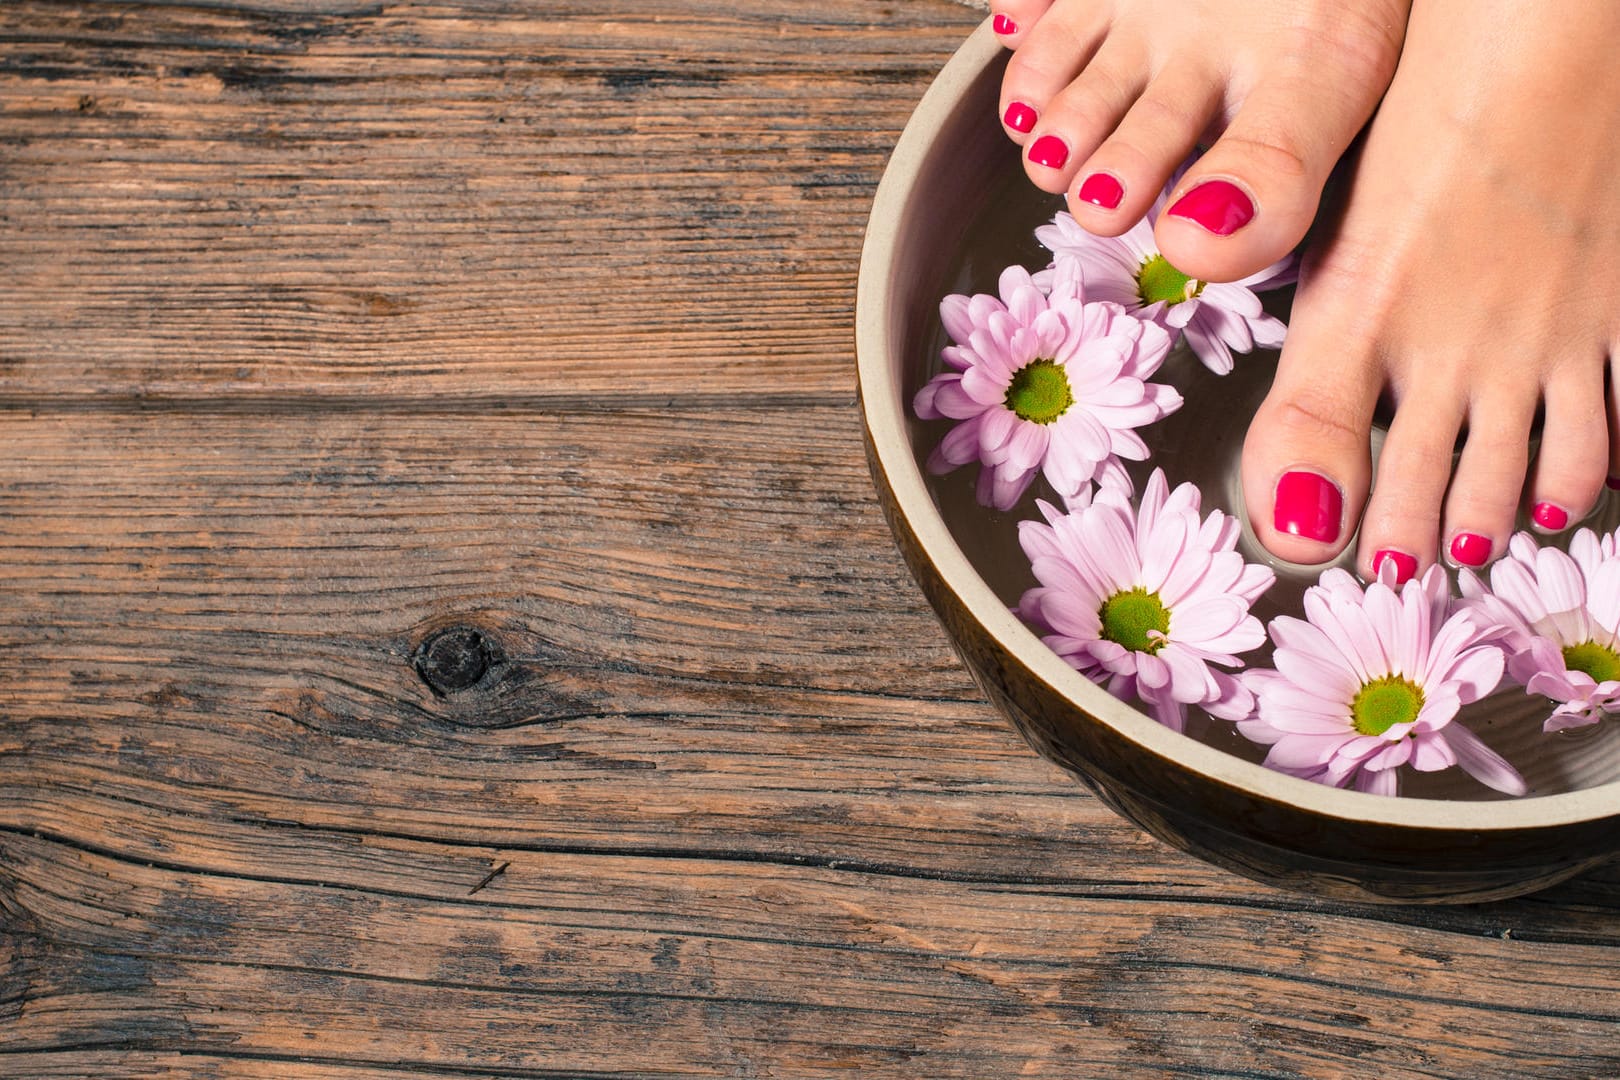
column 1405, row 565
column 1004, row 25
column 1019, row 117
column 1470, row 549
column 1218, row 205
column 1049, row 150
column 1550, row 517
column 1308, row 505
column 1102, row 190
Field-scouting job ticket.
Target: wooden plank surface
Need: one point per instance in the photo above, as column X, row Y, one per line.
column 448, row 630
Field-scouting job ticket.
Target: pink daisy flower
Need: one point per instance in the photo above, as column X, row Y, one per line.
column 1371, row 680
column 1559, row 621
column 1218, row 318
column 1143, row 602
column 1043, row 384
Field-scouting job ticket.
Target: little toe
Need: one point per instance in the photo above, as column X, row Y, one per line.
column 1250, row 199
column 1306, row 460
column 1568, row 473
column 1117, row 184
column 1012, row 19
column 1485, row 491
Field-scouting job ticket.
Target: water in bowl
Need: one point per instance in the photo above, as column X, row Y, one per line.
column 1202, row 443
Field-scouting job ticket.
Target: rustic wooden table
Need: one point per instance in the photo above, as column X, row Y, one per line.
column 448, row 630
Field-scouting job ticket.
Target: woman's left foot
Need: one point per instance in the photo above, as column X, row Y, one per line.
column 1470, row 277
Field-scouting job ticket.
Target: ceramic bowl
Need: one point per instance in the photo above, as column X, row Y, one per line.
column 953, row 209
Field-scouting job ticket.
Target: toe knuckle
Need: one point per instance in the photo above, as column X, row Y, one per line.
column 1155, row 113
column 1369, row 40
column 1309, row 417
column 1100, row 92
column 1275, row 152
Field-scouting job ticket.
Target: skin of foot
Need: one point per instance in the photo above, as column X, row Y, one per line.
column 1108, row 98
column 1465, row 281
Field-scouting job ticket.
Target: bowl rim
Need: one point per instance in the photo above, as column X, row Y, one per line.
column 884, row 415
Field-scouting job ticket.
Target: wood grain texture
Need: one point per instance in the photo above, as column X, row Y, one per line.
column 331, row 329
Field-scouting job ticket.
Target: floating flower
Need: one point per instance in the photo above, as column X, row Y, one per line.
column 1047, row 384
column 1218, row 318
column 1372, row 680
column 1559, row 619
column 1144, row 601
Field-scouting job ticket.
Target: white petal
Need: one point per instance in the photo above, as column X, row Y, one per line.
column 1233, row 298
column 1483, row 763
column 1207, row 619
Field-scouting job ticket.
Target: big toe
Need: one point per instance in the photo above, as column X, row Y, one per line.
column 1306, row 460
column 1250, row 199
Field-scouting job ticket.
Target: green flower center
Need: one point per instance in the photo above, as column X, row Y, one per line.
column 1039, row 392
column 1382, row 703
column 1598, row 661
column 1157, row 280
column 1132, row 617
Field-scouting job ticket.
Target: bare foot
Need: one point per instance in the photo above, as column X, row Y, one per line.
column 1108, row 97
column 1469, row 279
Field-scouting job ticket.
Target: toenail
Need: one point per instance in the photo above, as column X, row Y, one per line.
column 1102, row 190
column 1470, row 549
column 1549, row 517
column 1049, row 150
column 1019, row 117
column 1405, row 565
column 1004, row 25
column 1308, row 505
column 1218, row 205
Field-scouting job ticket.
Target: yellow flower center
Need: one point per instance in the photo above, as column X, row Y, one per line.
column 1039, row 392
column 1157, row 280
column 1382, row 703
column 1136, row 619
column 1598, row 661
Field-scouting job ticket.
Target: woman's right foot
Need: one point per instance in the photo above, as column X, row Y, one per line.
column 1109, row 97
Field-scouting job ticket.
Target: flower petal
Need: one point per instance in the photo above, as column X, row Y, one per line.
column 1483, row 763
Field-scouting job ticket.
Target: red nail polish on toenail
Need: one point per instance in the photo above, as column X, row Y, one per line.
column 1308, row 505
column 1470, row 549
column 1405, row 565
column 1102, row 190
column 1019, row 117
column 1550, row 517
column 1004, row 26
column 1049, row 150
column 1218, row 205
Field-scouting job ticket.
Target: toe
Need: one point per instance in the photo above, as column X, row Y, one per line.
column 1048, row 59
column 1249, row 200
column 1117, row 184
column 1013, row 19
column 1484, row 495
column 1080, row 116
column 1402, row 521
column 1570, row 466
column 1306, row 458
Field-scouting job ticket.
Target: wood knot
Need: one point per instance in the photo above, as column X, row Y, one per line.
column 455, row 659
